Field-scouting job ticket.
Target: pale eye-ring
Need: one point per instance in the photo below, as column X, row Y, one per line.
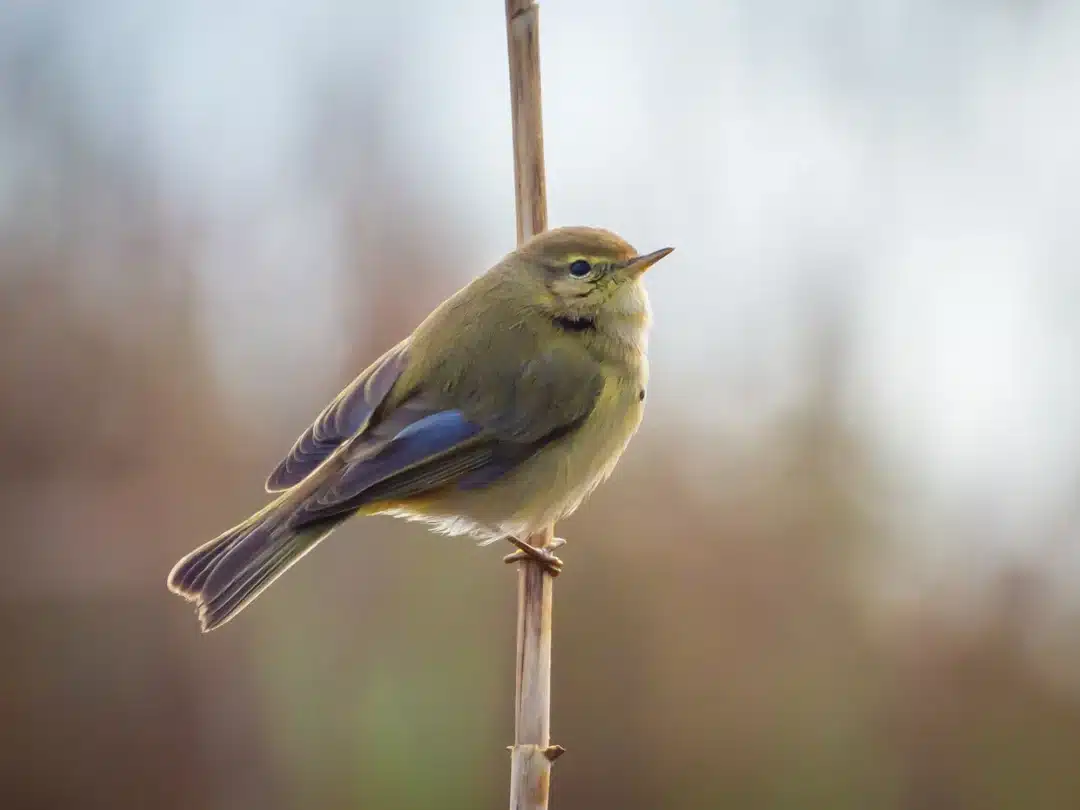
column 580, row 268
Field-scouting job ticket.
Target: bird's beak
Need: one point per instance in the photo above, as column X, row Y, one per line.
column 639, row 264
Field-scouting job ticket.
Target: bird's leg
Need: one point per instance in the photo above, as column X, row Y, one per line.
column 542, row 555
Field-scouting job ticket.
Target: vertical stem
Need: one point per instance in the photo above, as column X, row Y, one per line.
column 532, row 752
column 523, row 45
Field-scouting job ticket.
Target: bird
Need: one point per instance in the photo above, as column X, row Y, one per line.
column 502, row 411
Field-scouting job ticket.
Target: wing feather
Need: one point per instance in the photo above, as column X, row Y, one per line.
column 471, row 445
column 348, row 414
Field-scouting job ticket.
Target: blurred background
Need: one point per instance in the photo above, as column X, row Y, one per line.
column 838, row 567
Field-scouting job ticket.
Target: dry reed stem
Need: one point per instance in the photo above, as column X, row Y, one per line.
column 532, row 752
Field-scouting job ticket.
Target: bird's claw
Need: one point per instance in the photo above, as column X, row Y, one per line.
column 542, row 555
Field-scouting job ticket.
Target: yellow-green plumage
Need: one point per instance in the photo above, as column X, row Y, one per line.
column 510, row 403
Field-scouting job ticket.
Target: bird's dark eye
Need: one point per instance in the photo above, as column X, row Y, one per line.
column 580, row 268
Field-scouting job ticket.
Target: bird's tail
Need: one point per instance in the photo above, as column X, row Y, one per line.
column 223, row 576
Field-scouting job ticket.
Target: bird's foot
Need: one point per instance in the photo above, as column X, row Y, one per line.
column 540, row 554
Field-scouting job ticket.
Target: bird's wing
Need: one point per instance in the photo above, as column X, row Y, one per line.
column 466, row 440
column 347, row 415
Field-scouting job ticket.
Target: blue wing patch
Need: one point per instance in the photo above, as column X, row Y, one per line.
column 420, row 457
column 439, row 430
column 423, row 440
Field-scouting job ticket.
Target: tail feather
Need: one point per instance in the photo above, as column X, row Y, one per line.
column 223, row 576
column 189, row 575
column 249, row 568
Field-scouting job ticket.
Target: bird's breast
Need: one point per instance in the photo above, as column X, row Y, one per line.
column 587, row 456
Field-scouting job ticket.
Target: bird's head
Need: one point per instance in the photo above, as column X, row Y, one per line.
column 586, row 273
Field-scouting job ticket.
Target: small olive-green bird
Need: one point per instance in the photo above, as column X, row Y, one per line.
column 504, row 409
